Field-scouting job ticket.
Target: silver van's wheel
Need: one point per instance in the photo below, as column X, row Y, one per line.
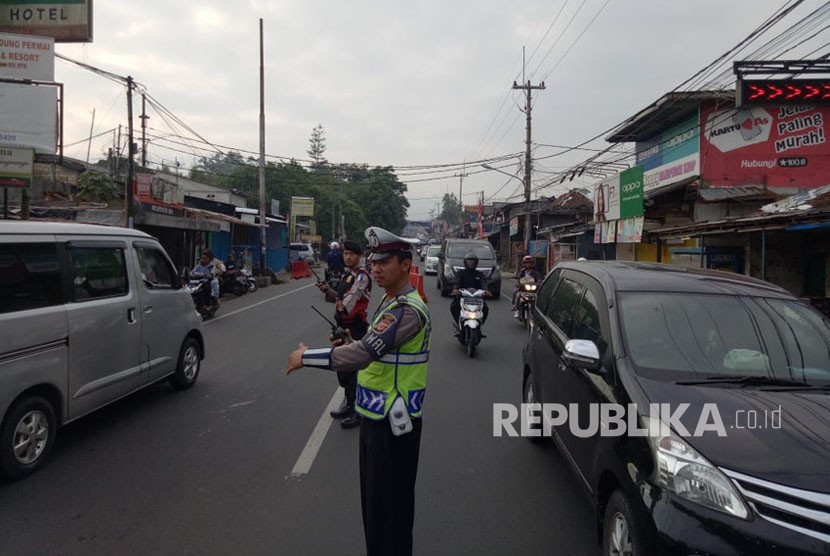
column 190, row 362
column 27, row 436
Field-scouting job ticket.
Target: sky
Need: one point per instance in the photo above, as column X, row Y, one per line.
column 409, row 84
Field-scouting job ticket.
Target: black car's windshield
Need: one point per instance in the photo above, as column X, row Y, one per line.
column 460, row 250
column 680, row 336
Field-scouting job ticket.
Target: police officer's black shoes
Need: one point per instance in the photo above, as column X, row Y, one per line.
column 351, row 421
column 344, row 411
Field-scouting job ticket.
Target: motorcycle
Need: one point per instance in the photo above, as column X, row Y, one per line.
column 199, row 289
column 527, row 297
column 468, row 327
column 237, row 280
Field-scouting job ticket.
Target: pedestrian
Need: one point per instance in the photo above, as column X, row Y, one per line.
column 351, row 300
column 392, row 358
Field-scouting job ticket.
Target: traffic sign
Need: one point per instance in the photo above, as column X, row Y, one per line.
column 783, row 92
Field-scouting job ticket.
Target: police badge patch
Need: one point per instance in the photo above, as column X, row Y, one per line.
column 386, row 320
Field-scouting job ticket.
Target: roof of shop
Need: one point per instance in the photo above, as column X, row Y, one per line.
column 668, row 109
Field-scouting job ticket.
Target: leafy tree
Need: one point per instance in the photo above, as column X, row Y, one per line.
column 216, row 169
column 317, row 146
column 451, row 209
column 98, row 187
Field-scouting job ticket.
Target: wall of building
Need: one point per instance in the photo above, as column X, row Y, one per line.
column 784, row 260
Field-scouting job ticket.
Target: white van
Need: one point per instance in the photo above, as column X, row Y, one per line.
column 88, row 315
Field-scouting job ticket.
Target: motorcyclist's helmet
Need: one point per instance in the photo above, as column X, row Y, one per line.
column 527, row 259
column 334, row 245
column 470, row 261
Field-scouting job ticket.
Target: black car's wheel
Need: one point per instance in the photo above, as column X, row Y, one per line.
column 27, row 437
column 190, row 362
column 624, row 532
column 529, row 397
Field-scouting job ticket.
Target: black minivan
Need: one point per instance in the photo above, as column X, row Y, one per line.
column 742, row 356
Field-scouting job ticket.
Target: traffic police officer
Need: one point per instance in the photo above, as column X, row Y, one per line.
column 352, row 300
column 392, row 359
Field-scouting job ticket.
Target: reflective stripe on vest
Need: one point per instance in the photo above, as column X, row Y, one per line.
column 401, row 372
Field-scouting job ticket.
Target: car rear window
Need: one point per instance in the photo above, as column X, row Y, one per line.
column 479, row 250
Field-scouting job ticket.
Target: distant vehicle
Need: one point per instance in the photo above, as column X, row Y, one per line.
column 431, row 259
column 451, row 260
column 301, row 252
column 648, row 334
column 88, row 315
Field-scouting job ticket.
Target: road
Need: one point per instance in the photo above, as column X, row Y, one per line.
column 209, row 470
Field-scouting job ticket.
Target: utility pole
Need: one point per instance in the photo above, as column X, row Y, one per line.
column 130, row 152
column 528, row 89
column 144, row 118
column 91, row 127
column 263, row 229
column 461, row 177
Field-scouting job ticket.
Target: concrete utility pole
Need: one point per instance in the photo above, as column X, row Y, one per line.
column 130, row 152
column 91, row 127
column 461, row 177
column 263, row 225
column 144, row 118
column 528, row 88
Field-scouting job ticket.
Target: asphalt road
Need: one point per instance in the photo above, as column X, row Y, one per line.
column 209, row 471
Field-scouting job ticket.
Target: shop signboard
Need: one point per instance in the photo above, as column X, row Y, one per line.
column 16, row 167
column 671, row 156
column 607, row 199
column 773, row 146
column 631, row 192
column 609, row 231
column 302, row 206
column 630, row 230
column 514, row 226
column 27, row 57
column 63, row 20
column 598, row 233
column 28, row 117
column 537, row 248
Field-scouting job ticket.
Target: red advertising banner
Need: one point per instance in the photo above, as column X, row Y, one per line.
column 772, row 146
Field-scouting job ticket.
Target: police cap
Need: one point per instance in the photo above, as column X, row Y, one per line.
column 384, row 244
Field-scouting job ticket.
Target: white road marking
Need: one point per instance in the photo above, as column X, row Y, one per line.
column 257, row 304
column 306, row 459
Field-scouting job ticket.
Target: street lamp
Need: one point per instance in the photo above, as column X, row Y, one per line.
column 527, row 204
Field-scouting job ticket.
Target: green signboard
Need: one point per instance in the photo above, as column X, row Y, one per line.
column 631, row 192
column 16, row 166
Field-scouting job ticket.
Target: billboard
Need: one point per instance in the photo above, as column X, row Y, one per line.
column 630, row 230
column 607, row 199
column 671, row 156
column 773, row 146
column 514, row 226
column 27, row 57
column 29, row 117
column 302, row 206
column 16, row 167
column 63, row 20
column 631, row 192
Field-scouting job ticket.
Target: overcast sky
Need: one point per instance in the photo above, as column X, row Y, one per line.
column 415, row 83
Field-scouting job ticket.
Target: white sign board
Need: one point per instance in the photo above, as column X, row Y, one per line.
column 29, row 117
column 607, row 199
column 16, row 167
column 27, row 57
column 302, row 206
column 63, row 20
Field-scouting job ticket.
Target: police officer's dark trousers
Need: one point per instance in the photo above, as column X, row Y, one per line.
column 348, row 380
column 388, row 467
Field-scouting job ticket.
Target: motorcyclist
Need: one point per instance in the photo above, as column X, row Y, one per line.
column 469, row 277
column 334, row 259
column 526, row 271
column 206, row 270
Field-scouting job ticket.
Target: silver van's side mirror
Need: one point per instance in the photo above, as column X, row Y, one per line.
column 582, row 354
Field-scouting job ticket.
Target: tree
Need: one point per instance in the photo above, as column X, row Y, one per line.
column 451, row 209
column 95, row 186
column 317, row 146
column 216, row 169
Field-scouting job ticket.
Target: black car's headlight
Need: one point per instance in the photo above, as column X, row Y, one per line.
column 684, row 471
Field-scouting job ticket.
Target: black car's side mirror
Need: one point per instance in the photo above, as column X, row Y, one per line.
column 582, row 354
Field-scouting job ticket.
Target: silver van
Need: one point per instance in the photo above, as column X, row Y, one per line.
column 88, row 315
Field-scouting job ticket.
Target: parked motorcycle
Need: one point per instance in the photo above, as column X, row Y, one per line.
column 199, row 289
column 468, row 327
column 527, row 297
column 237, row 280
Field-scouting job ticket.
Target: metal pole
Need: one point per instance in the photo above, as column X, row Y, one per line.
column 702, row 249
column 130, row 152
column 763, row 254
column 91, row 127
column 5, row 203
column 263, row 224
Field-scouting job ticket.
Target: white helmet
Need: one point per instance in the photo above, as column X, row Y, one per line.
column 582, row 259
column 334, row 245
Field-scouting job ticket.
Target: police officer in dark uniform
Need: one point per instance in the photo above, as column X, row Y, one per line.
column 390, row 395
column 351, row 301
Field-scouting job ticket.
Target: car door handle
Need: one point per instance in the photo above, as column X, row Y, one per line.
column 131, row 315
column 148, row 309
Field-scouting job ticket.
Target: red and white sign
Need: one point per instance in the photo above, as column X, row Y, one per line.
column 772, row 146
column 27, row 57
